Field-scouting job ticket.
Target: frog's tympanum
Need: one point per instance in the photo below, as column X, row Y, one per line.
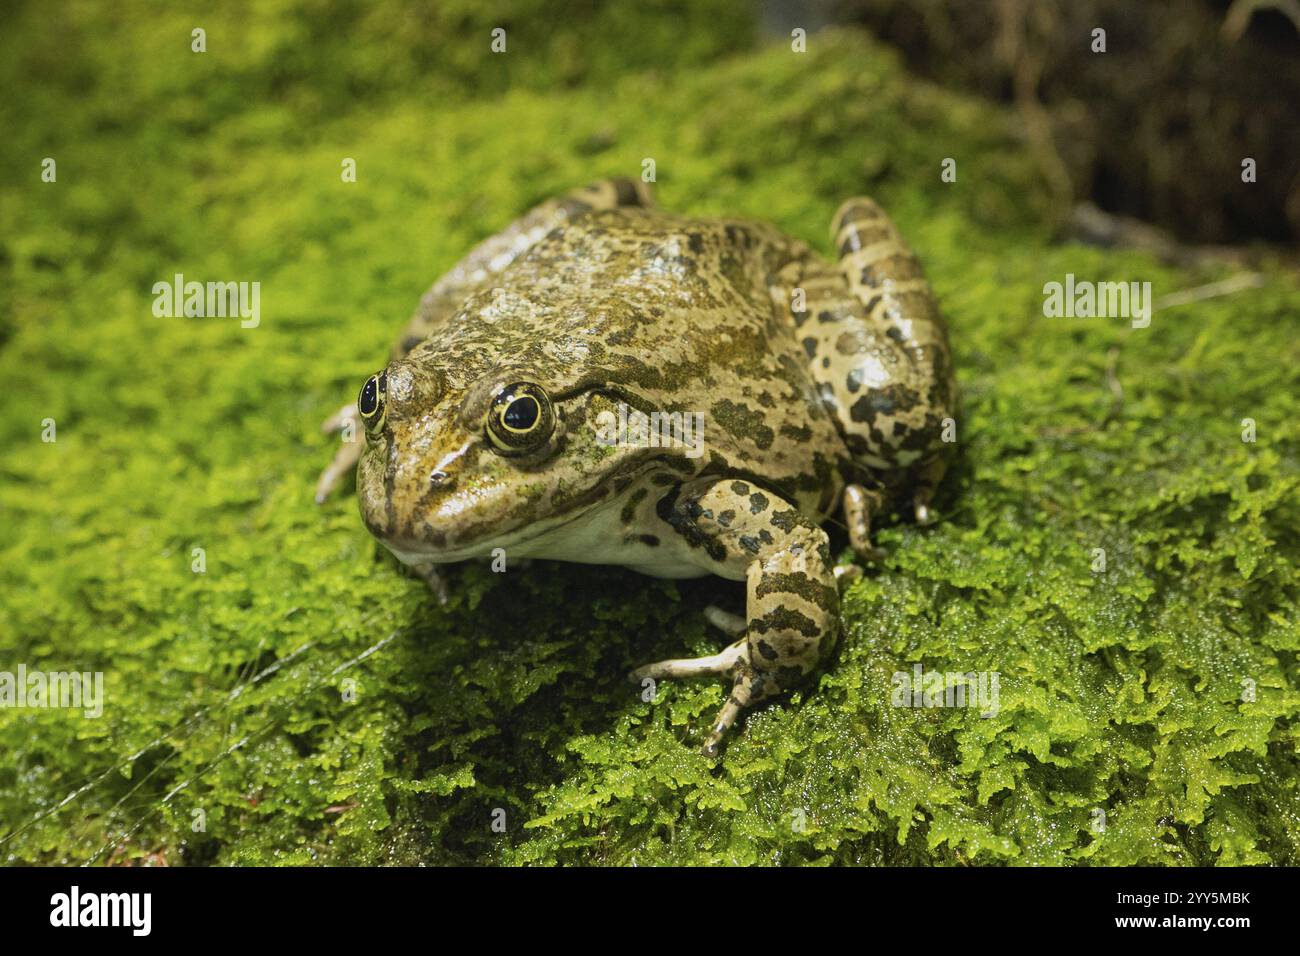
column 820, row 387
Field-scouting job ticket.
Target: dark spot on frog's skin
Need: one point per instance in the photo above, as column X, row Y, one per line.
column 664, row 481
column 749, row 543
column 787, row 676
column 696, row 243
column 666, row 507
column 787, row 520
column 767, row 650
column 629, row 509
column 757, row 503
column 726, row 517
column 650, row 540
column 900, row 267
column 765, row 536
column 738, row 236
column 871, row 304
column 810, row 346
column 799, row 433
column 825, row 596
column 684, row 465
column 826, row 362
column 621, row 337
column 766, row 400
column 854, row 380
column 895, row 333
column 923, row 438
column 900, row 429
column 785, row 619
column 678, row 518
column 741, row 421
column 890, row 400
column 740, row 488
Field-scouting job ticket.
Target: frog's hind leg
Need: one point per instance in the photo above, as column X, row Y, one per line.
column 886, row 277
column 878, row 351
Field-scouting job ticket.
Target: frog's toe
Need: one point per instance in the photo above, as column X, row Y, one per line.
column 870, row 553
column 859, row 504
column 846, row 574
column 750, row 688
column 725, row 621
column 344, row 461
column 721, row 663
column 926, row 479
column 335, row 422
column 431, row 576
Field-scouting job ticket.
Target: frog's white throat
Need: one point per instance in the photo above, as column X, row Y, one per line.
column 596, row 535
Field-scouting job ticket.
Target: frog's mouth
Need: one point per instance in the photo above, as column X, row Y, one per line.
column 536, row 537
column 523, row 542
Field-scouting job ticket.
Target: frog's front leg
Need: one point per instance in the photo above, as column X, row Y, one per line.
column 792, row 604
column 347, row 421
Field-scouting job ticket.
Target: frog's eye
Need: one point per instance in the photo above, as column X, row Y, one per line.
column 372, row 402
column 520, row 419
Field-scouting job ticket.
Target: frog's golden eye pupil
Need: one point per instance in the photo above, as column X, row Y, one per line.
column 522, row 413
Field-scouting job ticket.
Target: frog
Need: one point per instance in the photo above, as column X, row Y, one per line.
column 825, row 390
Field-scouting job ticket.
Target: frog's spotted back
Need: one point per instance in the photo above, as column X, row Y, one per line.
column 495, row 253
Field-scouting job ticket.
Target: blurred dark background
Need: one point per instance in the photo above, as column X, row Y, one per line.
column 1155, row 128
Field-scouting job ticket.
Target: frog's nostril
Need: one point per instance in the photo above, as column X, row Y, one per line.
column 439, row 478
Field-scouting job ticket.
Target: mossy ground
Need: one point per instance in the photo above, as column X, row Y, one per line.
column 1121, row 691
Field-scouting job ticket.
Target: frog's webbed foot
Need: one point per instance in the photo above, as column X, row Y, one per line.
column 347, row 421
column 792, row 606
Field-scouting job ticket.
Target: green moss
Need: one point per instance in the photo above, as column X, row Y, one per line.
column 1120, row 691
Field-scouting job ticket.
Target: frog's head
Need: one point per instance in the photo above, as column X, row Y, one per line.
column 459, row 461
